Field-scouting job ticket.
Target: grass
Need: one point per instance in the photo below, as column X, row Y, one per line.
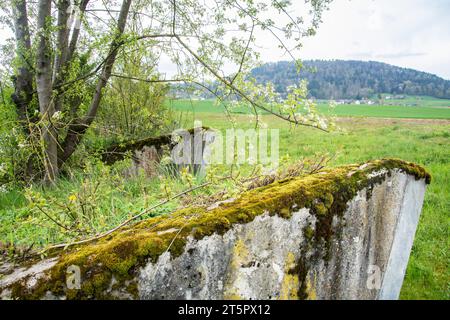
column 424, row 101
column 432, row 109
column 425, row 142
column 420, row 112
column 101, row 199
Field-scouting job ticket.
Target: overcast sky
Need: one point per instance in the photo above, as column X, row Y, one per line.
column 406, row 33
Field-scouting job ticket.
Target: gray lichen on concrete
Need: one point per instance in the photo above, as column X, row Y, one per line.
column 251, row 261
column 32, row 274
column 240, row 264
column 366, row 241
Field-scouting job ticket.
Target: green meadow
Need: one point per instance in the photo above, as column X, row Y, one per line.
column 430, row 109
column 419, row 112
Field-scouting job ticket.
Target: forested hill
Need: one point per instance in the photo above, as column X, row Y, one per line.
column 340, row 79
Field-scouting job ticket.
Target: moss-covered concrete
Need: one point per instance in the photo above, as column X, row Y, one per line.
column 118, row 151
column 120, row 255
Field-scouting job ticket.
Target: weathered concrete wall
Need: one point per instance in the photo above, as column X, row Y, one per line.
column 341, row 234
column 146, row 154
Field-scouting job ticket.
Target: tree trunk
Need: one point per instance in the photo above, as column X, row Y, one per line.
column 77, row 130
column 62, row 39
column 23, row 80
column 44, row 88
column 62, row 47
column 76, row 31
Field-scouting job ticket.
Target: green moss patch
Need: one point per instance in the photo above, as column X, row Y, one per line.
column 120, row 254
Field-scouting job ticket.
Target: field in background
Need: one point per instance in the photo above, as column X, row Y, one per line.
column 420, row 112
column 430, row 109
column 423, row 101
column 423, row 141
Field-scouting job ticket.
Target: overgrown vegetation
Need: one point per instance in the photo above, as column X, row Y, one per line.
column 99, row 197
column 59, row 63
column 72, row 88
column 419, row 141
column 326, row 194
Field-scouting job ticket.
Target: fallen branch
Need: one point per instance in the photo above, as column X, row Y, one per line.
column 104, row 234
column 317, row 166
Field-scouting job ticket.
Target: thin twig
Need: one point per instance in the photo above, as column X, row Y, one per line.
column 104, row 234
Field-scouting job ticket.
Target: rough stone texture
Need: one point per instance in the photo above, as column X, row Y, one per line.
column 274, row 255
column 242, row 264
column 368, row 231
column 146, row 154
column 239, row 264
column 146, row 159
column 31, row 274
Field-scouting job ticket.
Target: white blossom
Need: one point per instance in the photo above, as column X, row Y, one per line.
column 57, row 116
column 323, row 124
column 332, row 104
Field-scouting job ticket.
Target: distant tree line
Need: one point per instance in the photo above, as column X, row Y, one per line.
column 339, row 79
